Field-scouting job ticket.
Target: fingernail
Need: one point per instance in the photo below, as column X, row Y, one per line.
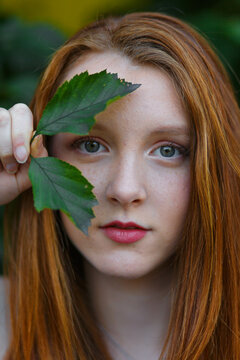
column 11, row 168
column 21, row 154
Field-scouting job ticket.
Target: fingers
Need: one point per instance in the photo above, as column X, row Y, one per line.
column 37, row 147
column 22, row 128
column 16, row 131
column 6, row 156
column 16, row 126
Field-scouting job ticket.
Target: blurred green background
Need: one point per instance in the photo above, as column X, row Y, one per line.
column 30, row 31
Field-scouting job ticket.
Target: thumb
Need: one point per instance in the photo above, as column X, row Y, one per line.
column 37, row 148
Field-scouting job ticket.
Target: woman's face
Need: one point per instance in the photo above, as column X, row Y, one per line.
column 137, row 159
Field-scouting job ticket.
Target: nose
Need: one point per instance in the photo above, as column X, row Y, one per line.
column 126, row 183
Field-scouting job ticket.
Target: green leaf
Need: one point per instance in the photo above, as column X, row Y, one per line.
column 77, row 101
column 59, row 185
column 56, row 184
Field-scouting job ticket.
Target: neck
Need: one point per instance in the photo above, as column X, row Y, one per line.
column 133, row 311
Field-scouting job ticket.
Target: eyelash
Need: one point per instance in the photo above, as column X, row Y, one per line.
column 182, row 150
column 77, row 143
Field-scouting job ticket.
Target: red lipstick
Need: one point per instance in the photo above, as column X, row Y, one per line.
column 125, row 233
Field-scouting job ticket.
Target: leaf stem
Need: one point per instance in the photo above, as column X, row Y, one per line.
column 36, row 134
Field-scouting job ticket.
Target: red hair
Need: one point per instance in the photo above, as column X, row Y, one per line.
column 46, row 288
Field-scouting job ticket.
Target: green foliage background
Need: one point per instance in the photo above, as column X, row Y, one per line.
column 26, row 46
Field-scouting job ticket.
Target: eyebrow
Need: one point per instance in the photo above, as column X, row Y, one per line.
column 171, row 130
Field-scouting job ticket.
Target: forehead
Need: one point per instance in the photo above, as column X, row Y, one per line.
column 156, row 99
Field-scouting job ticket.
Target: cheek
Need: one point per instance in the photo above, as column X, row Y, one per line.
column 172, row 183
column 97, row 175
column 178, row 192
column 171, row 196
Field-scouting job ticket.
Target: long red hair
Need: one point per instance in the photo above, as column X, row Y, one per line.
column 50, row 315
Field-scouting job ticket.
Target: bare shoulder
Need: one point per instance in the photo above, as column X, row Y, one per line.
column 4, row 316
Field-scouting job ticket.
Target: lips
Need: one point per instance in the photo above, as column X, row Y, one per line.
column 127, row 233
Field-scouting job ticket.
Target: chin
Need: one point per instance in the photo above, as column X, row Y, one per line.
column 127, row 268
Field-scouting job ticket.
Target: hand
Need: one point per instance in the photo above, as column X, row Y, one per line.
column 16, row 131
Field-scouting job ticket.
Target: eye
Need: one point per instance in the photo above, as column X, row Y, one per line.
column 170, row 151
column 89, row 146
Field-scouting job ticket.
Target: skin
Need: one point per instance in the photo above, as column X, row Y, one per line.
column 132, row 180
column 130, row 284
column 16, row 130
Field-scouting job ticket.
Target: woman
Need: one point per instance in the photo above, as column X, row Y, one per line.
column 163, row 160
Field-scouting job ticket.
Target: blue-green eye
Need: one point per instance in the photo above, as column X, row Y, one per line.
column 169, row 151
column 89, row 146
